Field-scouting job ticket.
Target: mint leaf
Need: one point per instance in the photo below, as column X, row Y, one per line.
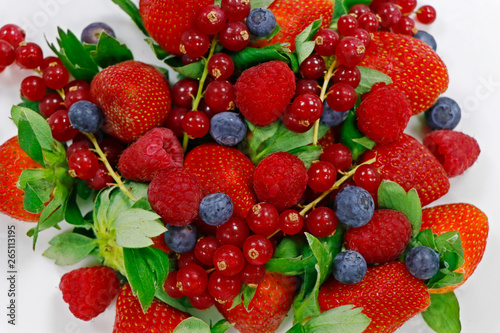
column 443, row 315
column 193, row 71
column 110, row 51
column 221, row 326
column 346, row 319
column 131, row 10
column 250, row 56
column 392, row 196
column 350, row 134
column 260, row 3
column 134, row 227
column 69, row 249
column 192, row 324
column 72, row 213
column 303, row 44
column 369, row 77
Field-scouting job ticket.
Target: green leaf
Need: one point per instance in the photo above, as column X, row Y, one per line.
column 276, row 31
column 160, row 53
column 30, row 105
column 338, row 12
column 307, row 154
column 250, row 56
column 444, row 278
column 193, row 71
column 290, row 266
column 131, row 9
column 33, row 202
column 38, row 124
column 349, row 132
column 347, row 4
column 83, row 190
column 303, row 44
column 134, row 227
column 28, row 140
column 369, row 77
column 260, row 3
column 221, row 326
column 365, row 142
column 192, row 324
column 259, row 136
column 165, row 298
column 289, row 247
column 297, row 328
column 72, row 213
column 449, row 245
column 69, row 249
column 392, row 196
column 217, row 2
column 345, row 319
column 110, row 51
column 443, row 315
column 248, row 295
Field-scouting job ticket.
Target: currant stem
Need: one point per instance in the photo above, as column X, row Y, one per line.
column 112, row 173
column 335, row 186
column 328, row 76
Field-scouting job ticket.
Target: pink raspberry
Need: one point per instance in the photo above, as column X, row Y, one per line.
column 280, row 179
column 263, row 92
column 89, row 290
column 384, row 114
column 155, row 151
column 175, row 194
column 456, row 151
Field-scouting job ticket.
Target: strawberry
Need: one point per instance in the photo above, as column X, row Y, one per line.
column 226, row 170
column 470, row 222
column 167, row 20
column 13, row 161
column 294, row 16
column 130, row 318
column 271, row 303
column 134, row 97
column 408, row 163
column 388, row 294
column 413, row 66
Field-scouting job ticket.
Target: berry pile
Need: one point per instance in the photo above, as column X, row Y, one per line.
column 274, row 173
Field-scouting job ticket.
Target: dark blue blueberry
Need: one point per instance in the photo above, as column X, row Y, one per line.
column 93, row 31
column 216, row 209
column 354, row 206
column 445, row 114
column 227, row 128
column 181, row 239
column 427, row 39
column 261, row 22
column 332, row 118
column 349, row 267
column 85, row 116
column 422, row 262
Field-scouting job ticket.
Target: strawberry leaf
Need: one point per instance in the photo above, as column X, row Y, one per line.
column 346, row 319
column 173, row 302
column 69, row 249
column 365, row 142
column 110, row 51
column 193, row 71
column 443, row 315
column 37, row 185
column 392, row 196
column 260, row 3
column 350, row 136
column 29, row 104
column 192, row 324
column 221, row 326
column 248, row 295
column 134, row 227
column 160, row 53
column 347, row 4
column 304, row 46
column 369, row 77
column 276, row 31
column 131, row 9
column 338, row 11
column 72, row 213
column 250, row 56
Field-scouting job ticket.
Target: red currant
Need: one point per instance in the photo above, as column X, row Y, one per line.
column 47, row 61
column 307, row 108
column 203, row 107
column 291, row 222
column 350, row 51
column 7, row 54
column 194, row 43
column 326, row 41
column 183, row 92
column 211, row 19
column 363, row 36
column 341, row 97
column 407, row 6
column 321, row 222
column 188, row 258
column 113, row 148
column 359, row 9
column 321, row 176
column 170, row 285
column 29, row 55
column 313, row 67
column 76, row 85
column 234, row 36
column 367, row 177
column 56, row 76
column 375, row 4
column 233, row 232
column 228, row 260
column 305, row 86
column 74, row 96
column 426, row 14
column 204, row 228
column 205, row 249
column 61, row 127
column 33, row 88
column 202, row 302
column 12, row 34
column 405, row 26
column 223, row 288
column 263, row 219
column 100, row 179
column 219, row 96
column 220, row 66
column 252, row 275
column 350, row 75
column 77, row 146
column 83, row 163
column 338, row 155
column 369, row 22
column 293, row 123
column 347, row 24
column 196, row 124
column 236, row 10
column 257, row 250
column 192, row 280
column 174, row 120
column 187, row 60
column 389, row 14
column 50, row 103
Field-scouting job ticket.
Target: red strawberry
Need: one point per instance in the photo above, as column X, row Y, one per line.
column 408, row 163
column 226, row 170
column 470, row 222
column 134, row 97
column 160, row 317
column 13, row 160
column 413, row 66
column 270, row 305
column 388, row 294
column 89, row 290
column 454, row 150
column 294, row 16
column 166, row 20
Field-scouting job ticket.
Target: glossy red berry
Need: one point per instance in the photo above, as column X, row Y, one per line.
column 74, row 96
column 367, row 177
column 321, row 176
column 211, row 19
column 192, row 280
column 293, row 123
column 113, row 148
column 101, row 178
column 174, row 120
column 83, row 164
column 219, row 96
column 341, row 97
column 170, row 285
column 203, row 107
column 205, row 249
column 338, row 155
column 233, row 232
column 350, row 75
column 183, row 92
column 359, row 9
column 188, row 258
column 77, row 146
column 56, row 76
column 196, row 124
column 307, row 108
column 363, row 36
column 236, row 10
column 220, row 66
column 369, row 22
column 33, row 88
column 194, row 43
column 375, row 4
column 47, row 61
column 407, row 6
column 291, row 222
column 426, row 14
column 12, row 34
column 321, row 222
column 313, row 67
column 252, row 275
column 7, row 54
column 202, row 302
column 50, row 103
column 228, row 260
column 187, row 60
column 305, row 86
column 405, row 26
column 350, row 51
column 389, row 14
column 347, row 24
column 76, row 85
column 234, row 36
column 29, row 55
column 61, row 127
column 257, row 250
column 263, row 219
column 223, row 288
column 326, row 41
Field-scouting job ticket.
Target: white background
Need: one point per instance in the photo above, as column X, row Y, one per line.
column 468, row 42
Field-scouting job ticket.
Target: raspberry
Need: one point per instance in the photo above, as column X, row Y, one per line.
column 263, row 92
column 89, row 290
column 456, row 151
column 280, row 179
column 382, row 239
column 384, row 114
column 157, row 150
column 175, row 194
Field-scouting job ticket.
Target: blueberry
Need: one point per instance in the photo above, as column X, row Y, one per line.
column 216, row 209
column 427, row 39
column 93, row 31
column 85, row 116
column 349, row 267
column 445, row 114
column 354, row 206
column 261, row 22
column 422, row 262
column 227, row 128
column 180, row 239
column 332, row 118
